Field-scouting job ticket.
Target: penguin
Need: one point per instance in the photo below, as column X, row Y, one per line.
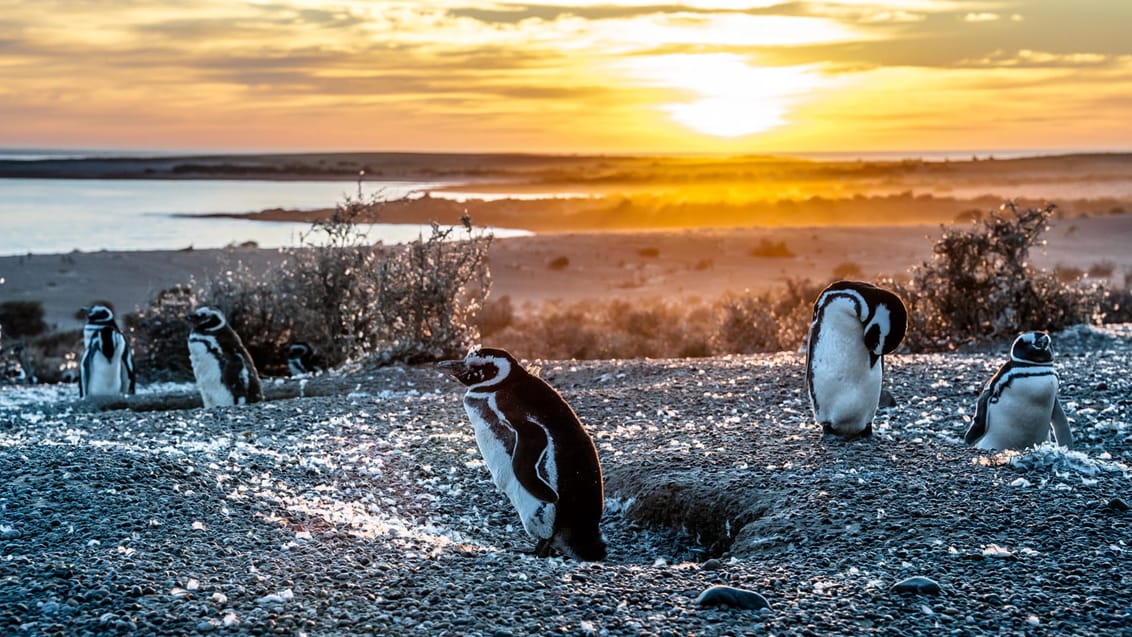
column 537, row 451
column 1019, row 403
column 107, row 367
column 854, row 325
column 301, row 359
column 224, row 371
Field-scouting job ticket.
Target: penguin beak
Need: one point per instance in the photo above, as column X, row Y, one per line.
column 455, row 368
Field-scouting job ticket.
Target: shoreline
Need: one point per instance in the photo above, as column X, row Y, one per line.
column 678, row 265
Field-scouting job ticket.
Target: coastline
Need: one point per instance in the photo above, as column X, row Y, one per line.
column 675, row 265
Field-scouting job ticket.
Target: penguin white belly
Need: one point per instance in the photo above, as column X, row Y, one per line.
column 537, row 516
column 206, row 369
column 105, row 378
column 845, row 389
column 1021, row 416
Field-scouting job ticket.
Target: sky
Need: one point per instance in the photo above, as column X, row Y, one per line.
column 663, row 76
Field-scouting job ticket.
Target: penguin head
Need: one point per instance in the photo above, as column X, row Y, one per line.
column 207, row 319
column 482, row 367
column 300, row 358
column 99, row 314
column 299, row 350
column 885, row 328
column 883, row 317
column 1032, row 347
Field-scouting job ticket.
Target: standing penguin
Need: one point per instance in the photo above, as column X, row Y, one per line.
column 224, row 370
column 855, row 324
column 1019, row 403
column 301, row 359
column 107, row 367
column 537, row 452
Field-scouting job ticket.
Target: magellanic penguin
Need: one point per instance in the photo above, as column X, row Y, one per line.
column 107, row 367
column 537, row 452
column 224, row 370
column 1019, row 404
column 301, row 359
column 855, row 324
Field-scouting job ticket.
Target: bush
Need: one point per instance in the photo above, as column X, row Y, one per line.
column 159, row 334
column 980, row 286
column 559, row 263
column 771, row 250
column 768, row 322
column 847, row 270
column 346, row 297
column 20, row 319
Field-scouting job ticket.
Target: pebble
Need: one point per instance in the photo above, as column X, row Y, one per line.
column 712, row 565
column 733, row 597
column 917, row 585
column 1116, row 504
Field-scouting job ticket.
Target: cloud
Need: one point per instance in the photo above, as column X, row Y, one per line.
column 981, row 17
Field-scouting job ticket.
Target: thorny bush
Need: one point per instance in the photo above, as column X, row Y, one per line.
column 345, row 296
column 981, row 287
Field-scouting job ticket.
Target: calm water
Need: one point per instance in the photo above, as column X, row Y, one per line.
column 48, row 216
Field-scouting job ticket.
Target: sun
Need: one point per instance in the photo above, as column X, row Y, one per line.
column 729, row 96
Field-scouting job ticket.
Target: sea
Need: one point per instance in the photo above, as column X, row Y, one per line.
column 54, row 216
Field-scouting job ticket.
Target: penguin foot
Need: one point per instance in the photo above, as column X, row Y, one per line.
column 829, row 432
column 543, row 548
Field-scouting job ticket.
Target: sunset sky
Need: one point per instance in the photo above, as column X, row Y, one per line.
column 728, row 76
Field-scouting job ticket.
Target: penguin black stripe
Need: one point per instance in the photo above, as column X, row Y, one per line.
column 1011, row 372
column 1019, row 407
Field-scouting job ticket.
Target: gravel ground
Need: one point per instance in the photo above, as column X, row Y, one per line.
column 370, row 512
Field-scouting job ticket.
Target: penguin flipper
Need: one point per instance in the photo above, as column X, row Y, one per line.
column 234, row 378
column 129, row 379
column 978, row 426
column 530, row 449
column 84, row 371
column 1061, row 432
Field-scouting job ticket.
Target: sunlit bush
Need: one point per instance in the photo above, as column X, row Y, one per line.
column 343, row 295
column 981, row 286
column 159, row 334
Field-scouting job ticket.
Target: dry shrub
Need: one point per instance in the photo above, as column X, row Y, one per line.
column 159, row 333
column 559, row 263
column 771, row 250
column 768, row 322
column 980, row 285
column 848, row 270
column 645, row 328
column 19, row 319
column 346, row 297
column 1102, row 270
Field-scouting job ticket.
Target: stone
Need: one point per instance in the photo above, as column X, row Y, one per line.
column 917, row 585
column 733, row 597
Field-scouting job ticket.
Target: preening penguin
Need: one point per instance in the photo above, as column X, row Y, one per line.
column 107, row 367
column 537, row 452
column 224, row 371
column 1019, row 404
column 855, row 324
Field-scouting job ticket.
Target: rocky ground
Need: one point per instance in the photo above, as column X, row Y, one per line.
column 369, row 511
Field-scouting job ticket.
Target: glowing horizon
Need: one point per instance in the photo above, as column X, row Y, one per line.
column 716, row 76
